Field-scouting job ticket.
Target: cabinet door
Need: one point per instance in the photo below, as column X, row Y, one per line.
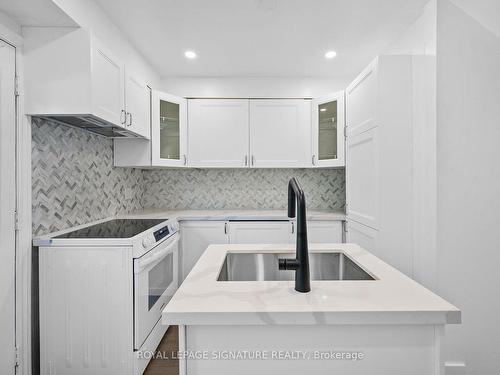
column 196, row 236
column 362, row 149
column 280, row 133
column 168, row 130
column 363, row 236
column 324, row 231
column 137, row 105
column 266, row 232
column 108, row 94
column 218, row 132
column 328, row 131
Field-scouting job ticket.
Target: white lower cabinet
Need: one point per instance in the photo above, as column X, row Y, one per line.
column 324, row 231
column 260, row 232
column 196, row 236
column 363, row 235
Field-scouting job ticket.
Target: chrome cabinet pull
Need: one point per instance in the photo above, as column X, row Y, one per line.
column 123, row 117
column 225, row 228
column 185, row 159
column 293, row 228
column 314, row 160
column 128, row 116
column 253, row 160
column 246, row 160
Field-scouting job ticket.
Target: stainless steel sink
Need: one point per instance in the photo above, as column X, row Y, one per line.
column 264, row 267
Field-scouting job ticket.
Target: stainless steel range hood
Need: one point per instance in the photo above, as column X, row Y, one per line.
column 92, row 124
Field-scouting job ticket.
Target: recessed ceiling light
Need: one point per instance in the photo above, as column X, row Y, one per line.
column 330, row 54
column 190, row 54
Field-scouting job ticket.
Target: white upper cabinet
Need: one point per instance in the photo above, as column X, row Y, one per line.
column 107, row 73
column 218, row 133
column 138, row 105
column 280, row 133
column 328, row 131
column 76, row 80
column 169, row 130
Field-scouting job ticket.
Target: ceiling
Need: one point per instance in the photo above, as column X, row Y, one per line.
column 35, row 13
column 278, row 38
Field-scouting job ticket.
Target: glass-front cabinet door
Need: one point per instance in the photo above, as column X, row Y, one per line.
column 169, row 130
column 328, row 131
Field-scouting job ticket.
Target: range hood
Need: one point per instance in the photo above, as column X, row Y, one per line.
column 92, row 124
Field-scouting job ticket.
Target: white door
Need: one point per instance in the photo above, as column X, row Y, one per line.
column 265, row 232
column 218, row 132
column 280, row 133
column 328, row 131
column 168, row 130
column 324, row 231
column 196, row 236
column 137, row 105
column 362, row 149
column 108, row 93
column 7, row 207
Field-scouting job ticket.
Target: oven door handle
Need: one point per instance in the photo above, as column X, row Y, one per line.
column 145, row 261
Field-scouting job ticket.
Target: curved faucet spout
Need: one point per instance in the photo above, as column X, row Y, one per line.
column 300, row 264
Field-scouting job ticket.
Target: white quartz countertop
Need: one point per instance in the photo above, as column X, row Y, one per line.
column 218, row 215
column 392, row 298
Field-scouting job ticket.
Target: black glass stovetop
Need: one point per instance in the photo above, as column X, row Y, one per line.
column 117, row 228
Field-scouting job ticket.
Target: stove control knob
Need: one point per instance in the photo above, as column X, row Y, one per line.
column 146, row 242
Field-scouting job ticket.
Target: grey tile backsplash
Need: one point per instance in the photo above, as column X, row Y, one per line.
column 74, row 182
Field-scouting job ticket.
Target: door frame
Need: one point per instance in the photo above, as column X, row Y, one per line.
column 23, row 203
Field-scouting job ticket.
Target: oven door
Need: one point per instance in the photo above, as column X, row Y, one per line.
column 155, row 282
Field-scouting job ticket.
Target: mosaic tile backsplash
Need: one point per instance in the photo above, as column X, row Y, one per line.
column 73, row 178
column 241, row 188
column 74, row 182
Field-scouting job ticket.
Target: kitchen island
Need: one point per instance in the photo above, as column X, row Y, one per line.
column 238, row 314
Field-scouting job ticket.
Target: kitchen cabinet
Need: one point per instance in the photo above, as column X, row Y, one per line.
column 380, row 162
column 362, row 235
column 78, row 81
column 196, row 236
column 280, row 133
column 324, row 231
column 241, row 232
column 218, row 133
column 168, row 144
column 137, row 104
column 328, row 131
column 169, row 130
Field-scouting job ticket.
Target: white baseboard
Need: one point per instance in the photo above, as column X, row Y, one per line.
column 455, row 368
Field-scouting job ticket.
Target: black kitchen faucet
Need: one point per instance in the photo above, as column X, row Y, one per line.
column 300, row 264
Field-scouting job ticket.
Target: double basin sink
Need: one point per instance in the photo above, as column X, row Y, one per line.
column 264, row 267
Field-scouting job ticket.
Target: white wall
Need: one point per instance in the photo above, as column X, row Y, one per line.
column 251, row 86
column 86, row 13
column 468, row 175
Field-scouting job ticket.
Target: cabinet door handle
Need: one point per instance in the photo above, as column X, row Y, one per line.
column 130, row 124
column 246, row 160
column 185, row 159
column 314, row 160
column 128, row 116
column 225, row 228
column 253, row 160
column 293, row 228
column 123, row 117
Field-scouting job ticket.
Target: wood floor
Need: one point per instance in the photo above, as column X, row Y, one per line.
column 166, row 366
